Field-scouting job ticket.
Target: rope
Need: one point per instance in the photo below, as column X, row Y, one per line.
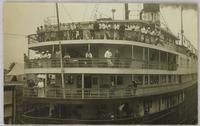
column 67, row 12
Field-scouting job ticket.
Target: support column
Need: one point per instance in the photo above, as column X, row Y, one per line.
column 143, row 79
column 143, row 55
column 148, row 57
column 59, row 106
column 132, row 56
column 62, row 70
column 88, row 47
column 53, row 49
column 132, row 77
column 82, row 86
column 148, row 79
column 159, row 65
column 28, row 53
column 167, row 61
column 167, row 79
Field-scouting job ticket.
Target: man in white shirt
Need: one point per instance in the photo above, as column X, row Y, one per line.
column 108, row 55
column 88, row 56
column 116, row 30
column 41, row 88
column 37, row 55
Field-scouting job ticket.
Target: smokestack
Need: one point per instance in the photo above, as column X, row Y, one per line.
column 126, row 12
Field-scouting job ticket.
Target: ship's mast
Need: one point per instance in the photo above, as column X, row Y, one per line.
column 60, row 49
column 182, row 31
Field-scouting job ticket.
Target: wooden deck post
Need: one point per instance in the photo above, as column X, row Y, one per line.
column 82, row 87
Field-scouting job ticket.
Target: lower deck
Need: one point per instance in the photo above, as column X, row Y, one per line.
column 169, row 108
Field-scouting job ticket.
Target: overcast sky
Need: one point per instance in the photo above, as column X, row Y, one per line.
column 20, row 19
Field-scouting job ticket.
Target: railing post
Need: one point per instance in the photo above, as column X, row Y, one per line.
column 108, row 91
column 159, row 65
column 82, row 86
column 148, row 57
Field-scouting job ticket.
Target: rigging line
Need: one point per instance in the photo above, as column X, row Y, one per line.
column 93, row 11
column 166, row 24
column 103, row 14
column 67, row 12
column 85, row 10
column 12, row 34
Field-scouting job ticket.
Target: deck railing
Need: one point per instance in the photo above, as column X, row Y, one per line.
column 101, row 93
column 98, row 63
column 100, row 34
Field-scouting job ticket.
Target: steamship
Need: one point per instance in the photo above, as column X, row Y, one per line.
column 151, row 79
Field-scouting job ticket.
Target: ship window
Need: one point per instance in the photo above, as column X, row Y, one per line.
column 147, row 106
column 94, row 81
column 68, row 79
column 169, row 78
column 138, row 79
column 153, row 79
column 79, row 81
column 117, row 80
column 51, row 79
column 162, row 79
column 146, row 79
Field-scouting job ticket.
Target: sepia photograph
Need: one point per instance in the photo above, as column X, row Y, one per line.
column 100, row 63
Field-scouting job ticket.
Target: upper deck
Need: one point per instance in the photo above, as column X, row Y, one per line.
column 129, row 30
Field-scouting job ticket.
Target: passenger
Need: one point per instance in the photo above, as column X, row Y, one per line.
column 157, row 36
column 46, row 33
column 42, row 33
column 148, row 35
column 138, row 33
column 67, row 56
column 77, row 33
column 72, row 31
column 40, row 86
column 26, row 59
column 91, row 28
column 143, row 34
column 108, row 56
column 80, row 31
column 108, row 31
column 88, row 56
column 39, row 34
column 121, row 31
column 37, row 55
column 152, row 36
column 103, row 30
column 133, row 33
column 128, row 32
column 53, row 33
column 96, row 30
column 67, row 59
column 57, row 54
column 116, row 31
column 66, row 32
column 48, row 54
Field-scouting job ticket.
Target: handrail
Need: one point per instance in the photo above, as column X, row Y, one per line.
column 98, row 63
column 85, row 34
column 101, row 93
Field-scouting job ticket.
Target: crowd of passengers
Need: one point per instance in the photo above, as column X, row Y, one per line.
column 98, row 30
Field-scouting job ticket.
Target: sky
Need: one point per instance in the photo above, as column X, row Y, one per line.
column 21, row 19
